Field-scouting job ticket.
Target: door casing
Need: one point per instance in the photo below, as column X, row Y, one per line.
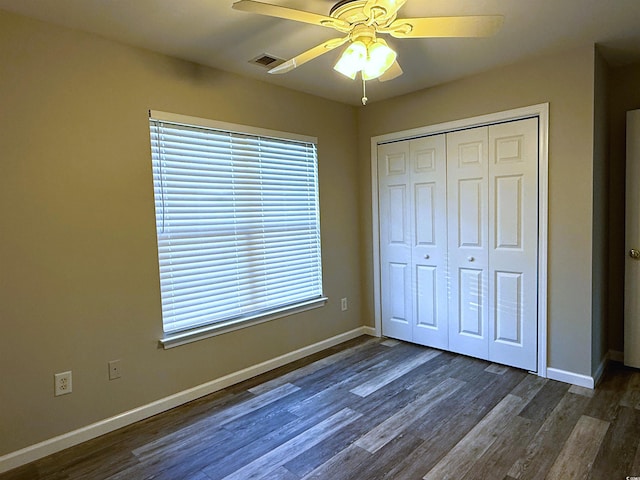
column 540, row 111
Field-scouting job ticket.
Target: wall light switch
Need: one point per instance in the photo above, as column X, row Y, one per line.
column 115, row 369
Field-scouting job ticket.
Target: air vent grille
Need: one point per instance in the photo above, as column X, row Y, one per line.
column 267, row 61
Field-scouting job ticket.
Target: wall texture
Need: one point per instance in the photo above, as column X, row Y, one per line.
column 600, row 257
column 624, row 95
column 567, row 82
column 79, row 279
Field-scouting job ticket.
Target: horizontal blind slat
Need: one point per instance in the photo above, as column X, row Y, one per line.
column 238, row 223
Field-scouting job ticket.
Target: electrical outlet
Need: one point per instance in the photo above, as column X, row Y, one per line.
column 343, row 304
column 62, row 383
column 114, row 369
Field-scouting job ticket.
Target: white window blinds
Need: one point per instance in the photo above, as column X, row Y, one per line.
column 238, row 225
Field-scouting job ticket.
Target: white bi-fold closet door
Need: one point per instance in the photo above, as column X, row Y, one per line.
column 458, row 241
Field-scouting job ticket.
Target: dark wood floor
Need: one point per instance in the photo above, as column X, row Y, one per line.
column 375, row 409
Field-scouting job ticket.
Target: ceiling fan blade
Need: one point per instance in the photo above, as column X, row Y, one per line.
column 386, row 8
column 433, row 27
column 310, row 54
column 270, row 10
column 393, row 72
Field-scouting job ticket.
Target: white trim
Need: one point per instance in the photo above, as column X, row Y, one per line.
column 229, row 127
column 371, row 331
column 570, row 377
column 597, row 375
column 182, row 338
column 542, row 112
column 56, row 444
column 375, row 212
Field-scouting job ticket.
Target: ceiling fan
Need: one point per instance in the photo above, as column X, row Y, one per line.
column 362, row 21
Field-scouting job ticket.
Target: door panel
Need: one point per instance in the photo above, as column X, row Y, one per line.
column 513, row 253
column 395, row 240
column 470, row 308
column 427, row 297
column 397, row 208
column 467, row 157
column 632, row 241
column 508, row 308
column 470, row 212
column 429, row 247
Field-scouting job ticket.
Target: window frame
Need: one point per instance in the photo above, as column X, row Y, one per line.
column 173, row 339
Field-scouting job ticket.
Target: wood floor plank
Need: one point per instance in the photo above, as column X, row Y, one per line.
column 606, row 400
column 542, row 449
column 508, row 447
column 460, row 459
column 217, row 419
column 529, row 387
column 586, row 392
column 442, row 429
column 393, row 373
column 545, row 401
column 496, row 368
column 384, row 460
column 635, row 468
column 263, row 466
column 340, row 466
column 309, row 460
column 353, row 354
column 280, row 474
column 631, row 396
column 616, row 456
column 580, row 450
column 378, row 437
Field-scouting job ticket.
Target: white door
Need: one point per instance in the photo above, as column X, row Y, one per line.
column 632, row 244
column 429, row 240
column 459, row 241
column 513, row 239
column 468, row 225
column 394, row 176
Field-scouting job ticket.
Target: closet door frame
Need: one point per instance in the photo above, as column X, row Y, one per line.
column 541, row 112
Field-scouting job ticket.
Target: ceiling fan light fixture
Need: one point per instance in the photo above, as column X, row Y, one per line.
column 352, row 59
column 379, row 59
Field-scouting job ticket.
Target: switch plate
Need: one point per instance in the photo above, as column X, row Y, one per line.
column 343, row 304
column 115, row 370
column 62, row 383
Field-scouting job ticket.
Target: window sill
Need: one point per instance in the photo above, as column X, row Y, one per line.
column 200, row 333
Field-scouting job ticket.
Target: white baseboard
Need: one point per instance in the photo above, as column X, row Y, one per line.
column 56, row 444
column 570, row 377
column 597, row 376
column 371, row 331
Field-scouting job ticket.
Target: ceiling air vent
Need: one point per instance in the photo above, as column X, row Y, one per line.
column 267, row 61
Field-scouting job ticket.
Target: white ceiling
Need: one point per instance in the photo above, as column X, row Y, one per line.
column 209, row 32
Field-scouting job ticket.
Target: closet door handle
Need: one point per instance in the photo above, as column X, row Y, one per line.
column 471, row 259
column 426, row 257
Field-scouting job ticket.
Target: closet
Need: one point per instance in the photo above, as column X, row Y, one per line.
column 458, row 226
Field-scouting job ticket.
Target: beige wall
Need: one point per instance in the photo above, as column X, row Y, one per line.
column 567, row 82
column 78, row 270
column 624, row 95
column 600, row 257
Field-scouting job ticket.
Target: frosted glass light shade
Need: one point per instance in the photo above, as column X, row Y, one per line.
column 380, row 58
column 352, row 59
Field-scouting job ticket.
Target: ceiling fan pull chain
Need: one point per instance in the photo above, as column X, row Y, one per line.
column 364, row 91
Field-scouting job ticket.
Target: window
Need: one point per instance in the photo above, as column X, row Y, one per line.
column 238, row 226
